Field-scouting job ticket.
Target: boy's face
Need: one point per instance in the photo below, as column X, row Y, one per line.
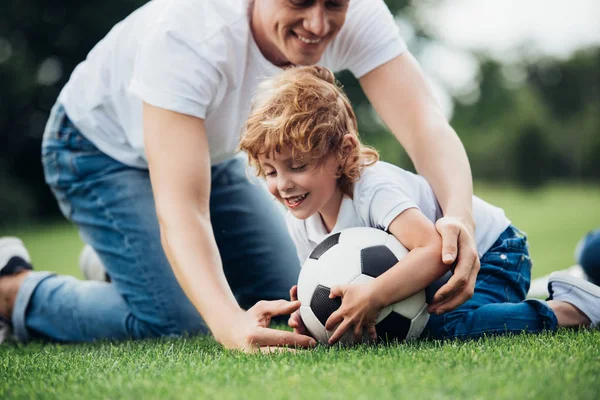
column 296, row 31
column 304, row 187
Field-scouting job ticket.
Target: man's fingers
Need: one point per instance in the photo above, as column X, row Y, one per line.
column 464, row 295
column 339, row 332
column 335, row 318
column 450, row 234
column 358, row 333
column 279, row 307
column 448, row 290
column 276, row 350
column 294, row 293
column 274, row 337
column 372, row 332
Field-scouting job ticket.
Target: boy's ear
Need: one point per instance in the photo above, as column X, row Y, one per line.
column 349, row 143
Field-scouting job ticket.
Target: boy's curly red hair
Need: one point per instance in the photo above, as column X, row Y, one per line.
column 303, row 109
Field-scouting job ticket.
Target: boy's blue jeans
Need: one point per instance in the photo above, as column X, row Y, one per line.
column 113, row 207
column 498, row 305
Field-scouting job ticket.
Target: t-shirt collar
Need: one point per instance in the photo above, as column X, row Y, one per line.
column 347, row 218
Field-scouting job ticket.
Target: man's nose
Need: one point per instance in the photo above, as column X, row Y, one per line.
column 315, row 21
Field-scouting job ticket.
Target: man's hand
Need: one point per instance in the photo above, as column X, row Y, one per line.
column 458, row 244
column 358, row 309
column 255, row 333
column 295, row 321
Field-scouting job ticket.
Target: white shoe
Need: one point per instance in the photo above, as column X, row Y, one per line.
column 14, row 257
column 91, row 266
column 539, row 286
column 576, row 291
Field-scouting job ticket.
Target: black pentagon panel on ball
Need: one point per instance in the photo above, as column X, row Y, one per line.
column 393, row 327
column 375, row 260
column 321, row 305
column 325, row 245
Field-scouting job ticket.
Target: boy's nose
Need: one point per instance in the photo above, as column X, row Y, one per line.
column 284, row 184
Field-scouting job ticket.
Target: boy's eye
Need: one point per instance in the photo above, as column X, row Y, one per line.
column 299, row 168
column 269, row 173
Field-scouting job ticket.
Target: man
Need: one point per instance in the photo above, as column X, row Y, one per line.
column 139, row 152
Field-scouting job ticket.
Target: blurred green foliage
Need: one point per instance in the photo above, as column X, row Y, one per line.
column 545, row 128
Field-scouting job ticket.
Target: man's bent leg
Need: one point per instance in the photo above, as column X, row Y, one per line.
column 113, row 206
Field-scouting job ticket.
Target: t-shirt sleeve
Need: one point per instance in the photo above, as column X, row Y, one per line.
column 175, row 74
column 368, row 39
column 382, row 201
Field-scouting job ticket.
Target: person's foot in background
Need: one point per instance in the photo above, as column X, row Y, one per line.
column 587, row 256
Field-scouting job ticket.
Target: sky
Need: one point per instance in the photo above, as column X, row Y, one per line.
column 507, row 30
column 551, row 27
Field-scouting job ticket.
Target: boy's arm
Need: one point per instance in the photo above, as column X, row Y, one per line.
column 400, row 95
column 361, row 303
column 419, row 268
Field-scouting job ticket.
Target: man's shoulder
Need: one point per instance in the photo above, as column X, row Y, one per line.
column 199, row 21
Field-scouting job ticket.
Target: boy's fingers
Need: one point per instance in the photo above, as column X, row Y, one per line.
column 339, row 332
column 335, row 291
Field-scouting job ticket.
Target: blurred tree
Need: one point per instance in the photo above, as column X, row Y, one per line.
column 555, row 107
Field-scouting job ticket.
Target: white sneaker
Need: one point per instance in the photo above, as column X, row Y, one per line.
column 91, row 266
column 576, row 291
column 14, row 257
column 539, row 286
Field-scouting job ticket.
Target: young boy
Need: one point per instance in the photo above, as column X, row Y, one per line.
column 302, row 138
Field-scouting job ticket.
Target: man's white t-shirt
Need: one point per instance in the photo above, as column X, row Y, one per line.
column 199, row 58
column 382, row 193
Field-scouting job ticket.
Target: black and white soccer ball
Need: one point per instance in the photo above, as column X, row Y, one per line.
column 356, row 255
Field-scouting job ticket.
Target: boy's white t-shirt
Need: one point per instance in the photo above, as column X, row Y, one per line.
column 382, row 193
column 199, row 58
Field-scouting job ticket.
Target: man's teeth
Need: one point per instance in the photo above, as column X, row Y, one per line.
column 307, row 40
column 296, row 199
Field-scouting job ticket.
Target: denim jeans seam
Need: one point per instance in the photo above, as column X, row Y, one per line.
column 140, row 271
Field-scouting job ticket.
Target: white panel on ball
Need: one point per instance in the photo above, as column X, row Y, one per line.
column 313, row 324
column 418, row 323
column 411, row 306
column 339, row 265
column 308, row 280
column 363, row 237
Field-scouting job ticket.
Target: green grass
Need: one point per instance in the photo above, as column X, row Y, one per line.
column 547, row 366
column 565, row 365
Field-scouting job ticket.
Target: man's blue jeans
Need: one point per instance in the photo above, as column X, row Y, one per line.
column 498, row 305
column 113, row 207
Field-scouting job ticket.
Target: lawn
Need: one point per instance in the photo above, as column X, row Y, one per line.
column 548, row 366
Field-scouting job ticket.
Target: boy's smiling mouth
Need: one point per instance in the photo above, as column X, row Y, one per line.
column 295, row 201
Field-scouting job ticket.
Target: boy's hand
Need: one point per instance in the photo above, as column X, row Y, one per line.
column 295, row 321
column 358, row 309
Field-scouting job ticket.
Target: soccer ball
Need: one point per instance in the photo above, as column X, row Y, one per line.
column 356, row 255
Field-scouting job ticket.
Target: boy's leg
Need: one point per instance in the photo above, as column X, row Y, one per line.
column 498, row 305
column 259, row 257
column 113, row 206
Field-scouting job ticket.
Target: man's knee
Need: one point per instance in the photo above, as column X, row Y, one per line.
column 192, row 324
